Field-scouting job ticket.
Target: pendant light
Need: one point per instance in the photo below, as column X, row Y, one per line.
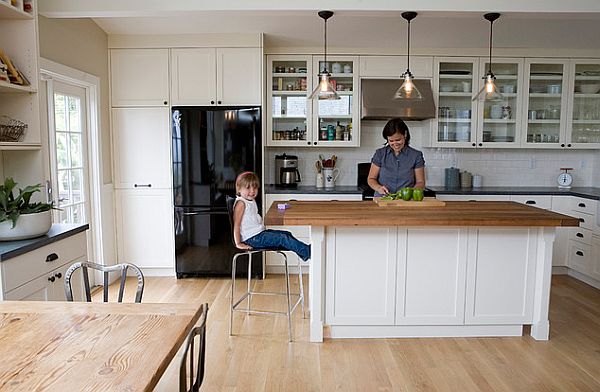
column 489, row 91
column 324, row 89
column 408, row 90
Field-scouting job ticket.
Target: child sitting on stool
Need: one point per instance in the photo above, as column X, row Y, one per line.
column 249, row 231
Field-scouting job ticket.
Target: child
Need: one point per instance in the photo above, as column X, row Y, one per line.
column 248, row 229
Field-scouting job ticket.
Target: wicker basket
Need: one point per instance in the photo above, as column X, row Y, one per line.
column 11, row 130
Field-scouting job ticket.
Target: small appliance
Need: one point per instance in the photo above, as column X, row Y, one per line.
column 286, row 171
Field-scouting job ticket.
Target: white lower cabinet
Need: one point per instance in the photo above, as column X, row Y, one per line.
column 274, row 262
column 39, row 275
column 472, row 276
column 595, row 272
column 580, row 257
column 144, row 221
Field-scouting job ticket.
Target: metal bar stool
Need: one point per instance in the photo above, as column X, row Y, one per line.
column 249, row 292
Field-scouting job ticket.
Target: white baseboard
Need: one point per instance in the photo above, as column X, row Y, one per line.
column 423, row 331
column 560, row 270
column 280, row 269
column 158, row 271
column 584, row 278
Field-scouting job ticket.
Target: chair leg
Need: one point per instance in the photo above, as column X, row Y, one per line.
column 233, row 267
column 301, row 288
column 287, row 289
column 249, row 281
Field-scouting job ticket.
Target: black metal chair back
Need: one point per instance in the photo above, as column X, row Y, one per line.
column 197, row 337
column 230, row 201
column 122, row 268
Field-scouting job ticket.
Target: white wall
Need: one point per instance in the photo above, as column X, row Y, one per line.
column 499, row 167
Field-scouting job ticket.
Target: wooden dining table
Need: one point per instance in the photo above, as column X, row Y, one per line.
column 79, row 346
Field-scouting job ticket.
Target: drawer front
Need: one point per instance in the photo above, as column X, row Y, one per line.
column 544, row 202
column 587, row 221
column 22, row 269
column 586, row 206
column 581, row 234
column 580, row 257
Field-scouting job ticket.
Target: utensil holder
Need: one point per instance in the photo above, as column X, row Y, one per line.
column 319, row 181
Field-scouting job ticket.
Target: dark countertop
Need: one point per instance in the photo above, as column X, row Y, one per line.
column 586, row 192
column 10, row 249
column 302, row 189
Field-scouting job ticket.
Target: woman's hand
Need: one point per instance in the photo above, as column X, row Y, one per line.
column 243, row 246
column 382, row 190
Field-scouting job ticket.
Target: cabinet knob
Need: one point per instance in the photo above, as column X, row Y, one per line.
column 581, row 205
column 165, row 103
column 562, row 145
column 480, row 144
column 474, row 144
column 51, row 279
column 219, row 102
column 58, row 275
column 569, row 145
column 579, row 253
column 51, row 257
column 212, row 102
column 308, row 143
column 315, row 143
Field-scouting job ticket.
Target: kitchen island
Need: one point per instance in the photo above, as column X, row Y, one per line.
column 464, row 269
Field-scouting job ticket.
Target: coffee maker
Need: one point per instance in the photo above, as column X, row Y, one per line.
column 286, row 171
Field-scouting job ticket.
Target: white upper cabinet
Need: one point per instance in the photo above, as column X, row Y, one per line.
column 394, row 66
column 139, row 77
column 216, row 76
column 193, row 76
column 141, row 149
column 583, row 117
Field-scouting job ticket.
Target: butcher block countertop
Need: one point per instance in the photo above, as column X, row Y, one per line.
column 454, row 213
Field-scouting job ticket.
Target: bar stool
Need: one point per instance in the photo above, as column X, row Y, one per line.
column 249, row 293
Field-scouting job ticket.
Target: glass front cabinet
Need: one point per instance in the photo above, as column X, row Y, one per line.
column 295, row 120
column 584, row 116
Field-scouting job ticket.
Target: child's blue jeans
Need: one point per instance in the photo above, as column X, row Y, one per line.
column 279, row 239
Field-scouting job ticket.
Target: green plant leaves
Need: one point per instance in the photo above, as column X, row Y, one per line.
column 12, row 207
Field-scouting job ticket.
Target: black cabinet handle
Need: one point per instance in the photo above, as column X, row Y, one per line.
column 581, row 220
column 58, row 275
column 51, row 257
column 212, row 102
column 51, row 279
column 579, row 253
column 530, row 202
column 165, row 102
column 581, row 205
column 579, row 235
column 219, row 102
column 142, row 185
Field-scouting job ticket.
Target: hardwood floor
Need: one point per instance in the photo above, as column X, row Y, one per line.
column 259, row 358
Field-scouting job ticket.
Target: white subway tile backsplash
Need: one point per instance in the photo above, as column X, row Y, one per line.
column 498, row 167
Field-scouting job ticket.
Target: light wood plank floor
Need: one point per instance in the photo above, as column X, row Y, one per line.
column 259, row 358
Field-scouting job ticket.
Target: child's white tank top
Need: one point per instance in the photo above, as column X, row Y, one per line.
column 252, row 222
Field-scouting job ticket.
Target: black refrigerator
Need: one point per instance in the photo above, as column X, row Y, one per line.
column 211, row 146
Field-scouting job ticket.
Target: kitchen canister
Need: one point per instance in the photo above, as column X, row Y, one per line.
column 329, row 176
column 452, row 177
column 466, row 179
column 477, row 181
column 319, row 183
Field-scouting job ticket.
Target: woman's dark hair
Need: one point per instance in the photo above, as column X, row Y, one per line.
column 396, row 125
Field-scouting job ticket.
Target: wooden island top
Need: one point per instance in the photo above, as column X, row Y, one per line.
column 454, row 213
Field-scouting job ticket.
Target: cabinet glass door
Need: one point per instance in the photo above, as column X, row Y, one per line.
column 335, row 118
column 545, row 103
column 289, row 106
column 499, row 119
column 455, row 124
column 585, row 125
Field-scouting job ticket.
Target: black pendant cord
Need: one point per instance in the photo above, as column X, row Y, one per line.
column 491, row 34
column 325, row 47
column 408, row 50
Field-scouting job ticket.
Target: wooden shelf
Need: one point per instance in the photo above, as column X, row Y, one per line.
column 289, row 75
column 455, row 94
column 14, row 146
column 6, row 87
column 454, row 120
column 290, row 92
column 582, row 95
column 7, row 11
column 543, row 121
column 586, row 121
column 544, row 95
column 499, row 121
column 546, row 77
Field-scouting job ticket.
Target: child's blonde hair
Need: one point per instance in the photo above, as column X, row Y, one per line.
column 246, row 179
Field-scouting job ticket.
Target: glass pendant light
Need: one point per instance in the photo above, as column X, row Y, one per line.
column 324, row 89
column 408, row 90
column 489, row 91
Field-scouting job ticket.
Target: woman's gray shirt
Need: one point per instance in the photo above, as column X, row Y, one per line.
column 396, row 172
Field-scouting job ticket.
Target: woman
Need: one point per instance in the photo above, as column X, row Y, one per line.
column 396, row 165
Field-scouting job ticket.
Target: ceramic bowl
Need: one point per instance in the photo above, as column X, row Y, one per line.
column 589, row 88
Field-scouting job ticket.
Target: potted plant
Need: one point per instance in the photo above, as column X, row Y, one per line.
column 19, row 217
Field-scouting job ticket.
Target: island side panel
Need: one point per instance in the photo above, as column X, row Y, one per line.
column 316, row 282
column 540, row 329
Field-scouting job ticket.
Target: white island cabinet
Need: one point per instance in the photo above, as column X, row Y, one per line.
column 465, row 269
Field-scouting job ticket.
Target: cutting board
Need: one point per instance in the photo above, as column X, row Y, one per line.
column 426, row 202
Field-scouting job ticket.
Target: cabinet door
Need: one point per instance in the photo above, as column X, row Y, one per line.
column 539, row 201
column 583, row 129
column 580, row 257
column 39, row 289
column 562, row 205
column 239, row 76
column 288, row 108
column 545, row 108
column 139, row 77
column 193, row 76
column 144, row 220
column 499, row 122
column 142, row 147
column 359, row 293
column 455, row 81
column 496, row 257
column 595, row 264
column 336, row 123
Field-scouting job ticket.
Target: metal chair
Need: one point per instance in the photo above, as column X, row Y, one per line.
column 122, row 268
column 197, row 334
column 249, row 293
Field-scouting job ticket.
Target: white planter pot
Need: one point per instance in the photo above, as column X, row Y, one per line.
column 28, row 226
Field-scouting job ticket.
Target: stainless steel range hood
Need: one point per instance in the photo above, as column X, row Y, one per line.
column 378, row 101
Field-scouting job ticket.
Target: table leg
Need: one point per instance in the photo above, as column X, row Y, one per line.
column 540, row 329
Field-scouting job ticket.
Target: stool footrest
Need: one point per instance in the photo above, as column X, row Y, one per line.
column 254, row 311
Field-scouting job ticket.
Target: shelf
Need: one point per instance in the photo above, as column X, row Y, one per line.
column 454, row 120
column 19, row 146
column 342, row 75
column 586, row 121
column 499, row 121
column 7, row 11
column 336, row 117
column 544, row 95
column 289, row 117
column 506, row 77
column 582, row 95
column 455, row 94
column 6, row 87
column 543, row 121
column 289, row 92
column 544, row 77
column 594, row 78
column 345, row 92
column 290, row 75
column 467, row 77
